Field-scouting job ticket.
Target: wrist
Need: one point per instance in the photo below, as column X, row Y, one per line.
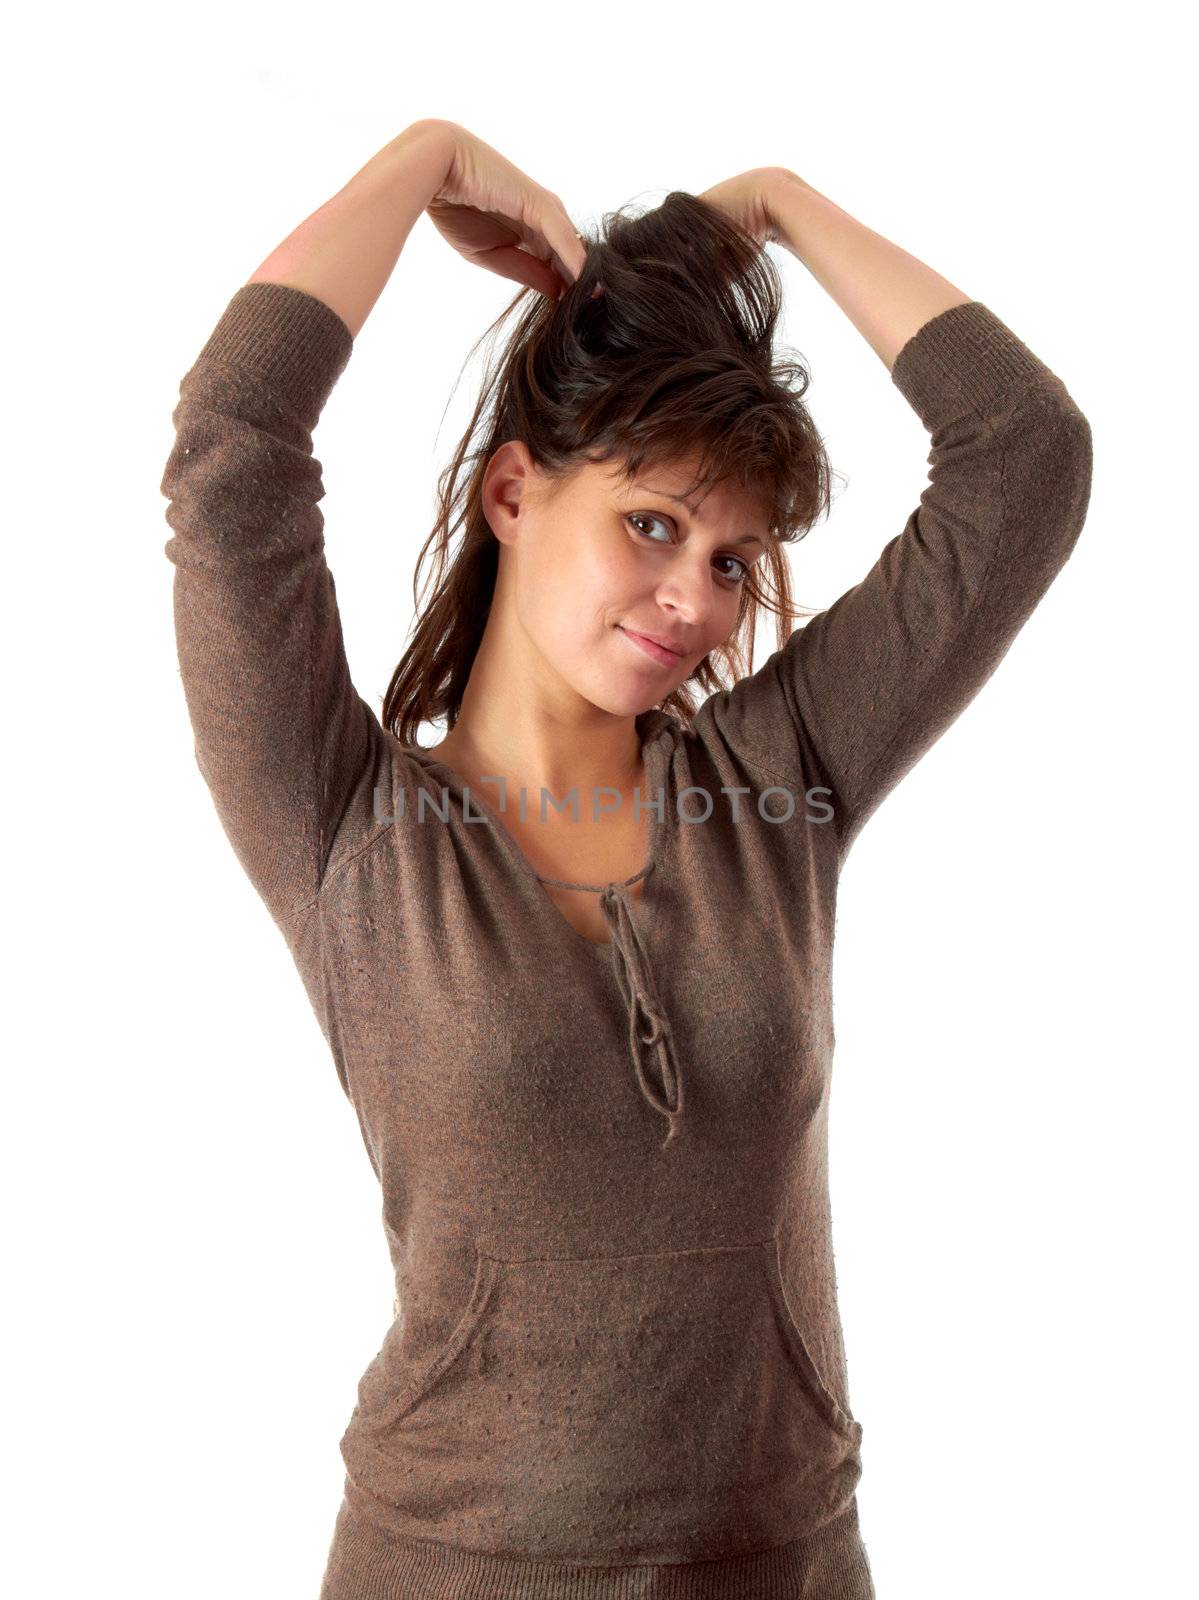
column 435, row 139
column 787, row 197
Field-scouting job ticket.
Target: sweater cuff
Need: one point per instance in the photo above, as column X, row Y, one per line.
column 962, row 362
column 285, row 339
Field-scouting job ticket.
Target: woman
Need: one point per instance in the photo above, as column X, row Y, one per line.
column 588, row 1033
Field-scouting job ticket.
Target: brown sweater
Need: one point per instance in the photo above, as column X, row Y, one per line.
column 616, row 1368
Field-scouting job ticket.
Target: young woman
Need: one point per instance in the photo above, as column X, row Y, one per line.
column 573, row 963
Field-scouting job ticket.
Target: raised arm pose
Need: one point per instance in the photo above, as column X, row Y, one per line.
column 573, row 963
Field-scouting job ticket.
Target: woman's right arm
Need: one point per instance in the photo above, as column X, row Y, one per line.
column 282, row 739
column 345, row 252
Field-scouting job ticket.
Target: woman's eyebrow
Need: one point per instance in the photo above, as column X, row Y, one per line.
column 749, row 538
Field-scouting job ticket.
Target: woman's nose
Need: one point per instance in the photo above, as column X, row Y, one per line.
column 688, row 593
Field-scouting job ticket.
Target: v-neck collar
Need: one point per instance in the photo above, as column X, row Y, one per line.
column 655, row 725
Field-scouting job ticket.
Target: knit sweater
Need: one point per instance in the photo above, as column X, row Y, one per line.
column 616, row 1367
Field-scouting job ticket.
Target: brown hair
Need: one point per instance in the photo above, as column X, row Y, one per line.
column 661, row 351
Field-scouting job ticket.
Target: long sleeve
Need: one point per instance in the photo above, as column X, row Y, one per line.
column 281, row 736
column 864, row 688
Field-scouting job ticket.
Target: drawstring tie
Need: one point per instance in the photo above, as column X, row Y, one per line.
column 649, row 1029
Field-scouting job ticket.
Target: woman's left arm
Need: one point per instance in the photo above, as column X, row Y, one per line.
column 886, row 293
column 862, row 690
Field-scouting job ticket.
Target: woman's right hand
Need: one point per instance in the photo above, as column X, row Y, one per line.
column 497, row 217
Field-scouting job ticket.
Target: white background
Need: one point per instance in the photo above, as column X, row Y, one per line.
column 195, row 1264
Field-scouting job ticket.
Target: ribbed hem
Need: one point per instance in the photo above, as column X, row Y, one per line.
column 367, row 1563
column 961, row 362
column 285, row 339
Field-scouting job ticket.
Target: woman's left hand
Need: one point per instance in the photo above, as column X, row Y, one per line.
column 747, row 200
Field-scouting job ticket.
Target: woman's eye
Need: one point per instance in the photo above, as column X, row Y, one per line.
column 645, row 516
column 742, row 567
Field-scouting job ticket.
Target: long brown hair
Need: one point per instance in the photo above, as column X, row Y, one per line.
column 662, row 351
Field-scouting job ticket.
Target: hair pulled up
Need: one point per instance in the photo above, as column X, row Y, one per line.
column 661, row 352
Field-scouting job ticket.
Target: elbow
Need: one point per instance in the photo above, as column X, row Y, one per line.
column 1051, row 495
column 1074, row 458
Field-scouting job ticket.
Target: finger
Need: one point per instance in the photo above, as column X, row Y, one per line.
column 520, row 266
column 570, row 248
column 552, row 226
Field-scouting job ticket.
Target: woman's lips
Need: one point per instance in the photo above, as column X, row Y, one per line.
column 667, row 658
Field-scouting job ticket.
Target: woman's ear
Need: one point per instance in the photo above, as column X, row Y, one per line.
column 511, row 484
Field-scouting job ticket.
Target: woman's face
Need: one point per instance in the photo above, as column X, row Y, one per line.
column 592, row 569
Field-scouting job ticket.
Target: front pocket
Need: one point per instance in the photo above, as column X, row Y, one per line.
column 373, row 1415
column 836, row 1416
column 662, row 1406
